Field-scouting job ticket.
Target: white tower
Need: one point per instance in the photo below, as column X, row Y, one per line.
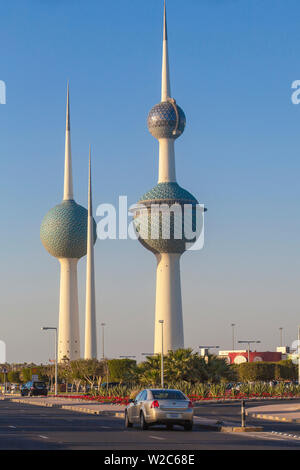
column 64, row 235
column 166, row 122
column 90, row 351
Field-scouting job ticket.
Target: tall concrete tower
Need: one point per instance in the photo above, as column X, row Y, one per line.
column 90, row 351
column 166, row 238
column 64, row 235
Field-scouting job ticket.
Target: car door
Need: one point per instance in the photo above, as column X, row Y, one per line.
column 141, row 399
column 132, row 410
column 142, row 403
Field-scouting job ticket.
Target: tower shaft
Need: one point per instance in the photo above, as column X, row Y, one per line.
column 168, row 306
column 68, row 336
column 90, row 351
column 167, row 170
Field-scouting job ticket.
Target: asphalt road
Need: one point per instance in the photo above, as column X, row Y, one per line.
column 37, row 428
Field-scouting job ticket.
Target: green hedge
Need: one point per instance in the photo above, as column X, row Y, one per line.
column 266, row 371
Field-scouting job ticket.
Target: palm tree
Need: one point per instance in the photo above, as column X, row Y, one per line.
column 186, row 367
column 149, row 371
column 182, row 365
column 217, row 369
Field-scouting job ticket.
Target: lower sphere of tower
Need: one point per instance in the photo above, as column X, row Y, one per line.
column 64, row 230
column 160, row 229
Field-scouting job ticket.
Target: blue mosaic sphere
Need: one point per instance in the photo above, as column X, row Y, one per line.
column 166, row 120
column 165, row 231
column 64, row 230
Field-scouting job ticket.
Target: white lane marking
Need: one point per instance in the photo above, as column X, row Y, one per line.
column 294, row 436
column 13, row 427
column 158, row 438
column 270, row 436
column 44, row 437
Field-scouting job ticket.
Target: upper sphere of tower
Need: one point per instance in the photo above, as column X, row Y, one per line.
column 64, row 230
column 166, row 120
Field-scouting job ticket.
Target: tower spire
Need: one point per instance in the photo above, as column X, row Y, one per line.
column 68, row 180
column 165, row 83
column 90, row 308
column 90, row 208
column 165, row 23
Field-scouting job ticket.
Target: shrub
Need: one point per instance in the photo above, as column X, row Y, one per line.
column 256, row 371
column 286, row 370
column 122, row 370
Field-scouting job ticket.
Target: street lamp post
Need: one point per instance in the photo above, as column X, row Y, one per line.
column 162, row 353
column 233, row 342
column 103, row 326
column 45, row 328
column 249, row 342
column 281, row 336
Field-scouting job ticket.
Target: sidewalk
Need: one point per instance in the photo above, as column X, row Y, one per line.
column 284, row 412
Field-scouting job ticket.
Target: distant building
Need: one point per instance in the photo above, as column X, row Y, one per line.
column 240, row 356
column 285, row 352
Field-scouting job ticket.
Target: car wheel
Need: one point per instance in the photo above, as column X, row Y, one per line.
column 169, row 427
column 143, row 424
column 128, row 424
column 188, row 427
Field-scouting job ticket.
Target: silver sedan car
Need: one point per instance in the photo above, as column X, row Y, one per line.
column 160, row 406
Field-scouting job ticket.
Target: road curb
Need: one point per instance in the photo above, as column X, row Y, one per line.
column 92, row 411
column 240, row 429
column 25, row 402
column 273, row 418
column 230, row 429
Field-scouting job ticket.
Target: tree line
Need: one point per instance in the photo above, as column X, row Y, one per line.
column 182, row 365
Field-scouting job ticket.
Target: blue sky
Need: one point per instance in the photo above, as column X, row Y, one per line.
column 232, row 66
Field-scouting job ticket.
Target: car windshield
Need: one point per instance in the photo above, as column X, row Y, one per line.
column 39, row 385
column 168, row 395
